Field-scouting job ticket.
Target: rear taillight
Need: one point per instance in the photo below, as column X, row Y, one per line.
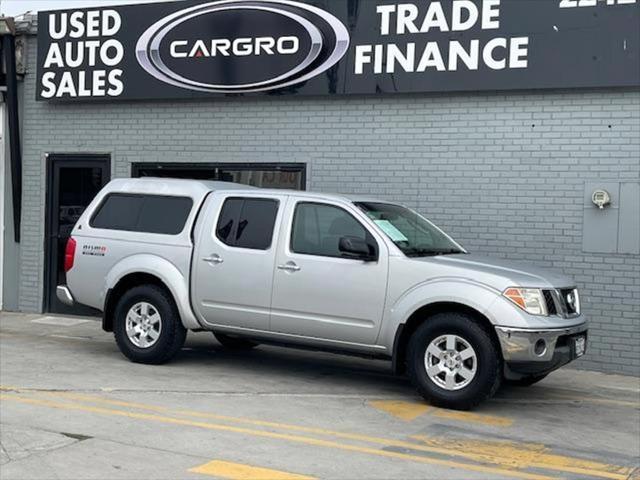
column 69, row 254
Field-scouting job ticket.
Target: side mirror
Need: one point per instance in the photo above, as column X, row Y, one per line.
column 357, row 248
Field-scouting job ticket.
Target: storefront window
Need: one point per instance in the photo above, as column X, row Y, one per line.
column 282, row 176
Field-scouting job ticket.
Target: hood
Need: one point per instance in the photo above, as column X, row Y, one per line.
column 498, row 273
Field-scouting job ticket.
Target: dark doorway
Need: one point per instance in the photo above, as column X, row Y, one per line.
column 266, row 175
column 72, row 182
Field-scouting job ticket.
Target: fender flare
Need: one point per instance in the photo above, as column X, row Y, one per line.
column 444, row 292
column 165, row 271
column 467, row 292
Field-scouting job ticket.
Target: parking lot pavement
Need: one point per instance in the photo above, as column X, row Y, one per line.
column 72, row 407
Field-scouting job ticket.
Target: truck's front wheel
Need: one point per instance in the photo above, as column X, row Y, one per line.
column 453, row 361
column 147, row 325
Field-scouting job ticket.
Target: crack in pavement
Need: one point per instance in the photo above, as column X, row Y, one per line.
column 76, row 436
column 80, row 437
column 4, row 454
column 16, row 448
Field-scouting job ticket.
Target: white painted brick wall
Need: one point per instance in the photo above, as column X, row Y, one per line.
column 503, row 173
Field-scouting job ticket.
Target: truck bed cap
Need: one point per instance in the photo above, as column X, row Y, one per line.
column 199, row 188
column 172, row 186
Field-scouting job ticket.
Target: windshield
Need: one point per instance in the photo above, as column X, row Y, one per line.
column 413, row 234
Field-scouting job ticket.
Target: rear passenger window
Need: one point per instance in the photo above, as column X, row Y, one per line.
column 247, row 222
column 143, row 213
column 228, row 219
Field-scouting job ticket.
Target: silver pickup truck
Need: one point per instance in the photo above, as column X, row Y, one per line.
column 331, row 272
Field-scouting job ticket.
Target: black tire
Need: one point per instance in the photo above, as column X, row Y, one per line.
column 234, row 343
column 172, row 332
column 526, row 381
column 488, row 374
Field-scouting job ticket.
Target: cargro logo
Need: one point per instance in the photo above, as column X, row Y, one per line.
column 236, row 46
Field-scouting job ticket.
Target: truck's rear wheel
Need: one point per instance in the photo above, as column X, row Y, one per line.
column 453, row 361
column 147, row 325
column 234, row 343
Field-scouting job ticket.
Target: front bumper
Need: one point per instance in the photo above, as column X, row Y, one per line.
column 64, row 295
column 536, row 351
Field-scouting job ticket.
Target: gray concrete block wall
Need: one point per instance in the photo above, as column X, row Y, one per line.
column 504, row 173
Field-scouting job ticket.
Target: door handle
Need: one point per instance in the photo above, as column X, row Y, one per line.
column 289, row 267
column 213, row 259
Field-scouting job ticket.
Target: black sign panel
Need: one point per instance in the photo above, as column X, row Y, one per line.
column 331, row 47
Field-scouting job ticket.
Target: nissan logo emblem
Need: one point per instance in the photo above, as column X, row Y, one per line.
column 236, row 46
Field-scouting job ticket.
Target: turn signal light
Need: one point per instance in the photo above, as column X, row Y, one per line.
column 531, row 300
column 69, row 254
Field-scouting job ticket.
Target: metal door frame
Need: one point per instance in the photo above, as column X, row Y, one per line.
column 53, row 161
column 2, row 203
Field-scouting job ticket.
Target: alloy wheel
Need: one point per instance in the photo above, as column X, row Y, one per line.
column 143, row 325
column 451, row 362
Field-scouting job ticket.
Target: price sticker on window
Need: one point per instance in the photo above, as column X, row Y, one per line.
column 392, row 232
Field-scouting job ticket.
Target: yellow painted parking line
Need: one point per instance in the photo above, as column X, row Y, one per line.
column 519, row 453
column 482, row 418
column 278, row 436
column 7, row 388
column 387, row 442
column 411, row 410
column 404, row 410
column 527, row 455
column 239, row 471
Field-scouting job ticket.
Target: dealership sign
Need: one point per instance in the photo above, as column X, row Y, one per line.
column 279, row 47
column 258, row 46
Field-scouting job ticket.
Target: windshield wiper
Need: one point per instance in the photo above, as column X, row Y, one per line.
column 430, row 252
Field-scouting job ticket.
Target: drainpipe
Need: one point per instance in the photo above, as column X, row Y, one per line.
column 7, row 31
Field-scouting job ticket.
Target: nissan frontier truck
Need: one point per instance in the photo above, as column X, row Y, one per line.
column 341, row 273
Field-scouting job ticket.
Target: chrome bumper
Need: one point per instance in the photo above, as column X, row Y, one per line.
column 64, row 295
column 532, row 345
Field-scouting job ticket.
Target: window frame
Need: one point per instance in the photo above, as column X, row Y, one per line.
column 156, row 169
column 104, row 200
column 371, row 236
column 243, row 199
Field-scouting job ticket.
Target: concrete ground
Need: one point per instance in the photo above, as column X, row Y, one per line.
column 72, row 407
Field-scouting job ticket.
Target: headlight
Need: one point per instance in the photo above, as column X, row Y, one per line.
column 573, row 302
column 531, row 300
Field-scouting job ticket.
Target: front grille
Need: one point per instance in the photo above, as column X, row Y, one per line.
column 569, row 299
column 551, row 304
column 562, row 302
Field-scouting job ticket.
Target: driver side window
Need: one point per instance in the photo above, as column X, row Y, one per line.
column 317, row 229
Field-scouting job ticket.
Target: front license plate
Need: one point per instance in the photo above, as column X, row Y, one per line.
column 580, row 345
